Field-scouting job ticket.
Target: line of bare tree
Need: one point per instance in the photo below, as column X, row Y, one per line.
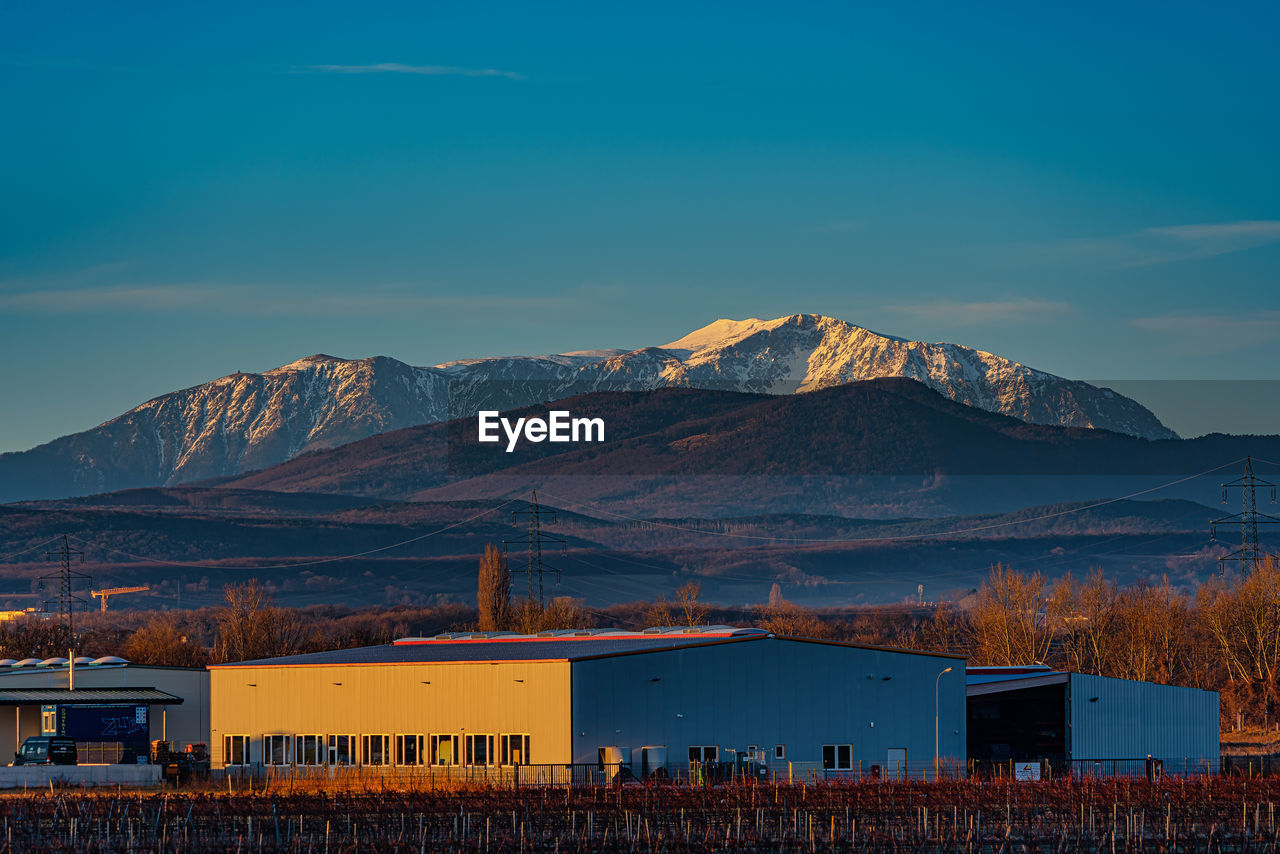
column 1225, row 636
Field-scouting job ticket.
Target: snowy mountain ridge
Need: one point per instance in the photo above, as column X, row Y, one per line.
column 247, row 421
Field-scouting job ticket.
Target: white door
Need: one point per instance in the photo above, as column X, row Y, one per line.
column 897, row 763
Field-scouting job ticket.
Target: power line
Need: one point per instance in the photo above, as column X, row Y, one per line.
column 67, row 600
column 1249, row 554
column 437, row 531
column 895, row 538
column 4, row 558
column 533, row 541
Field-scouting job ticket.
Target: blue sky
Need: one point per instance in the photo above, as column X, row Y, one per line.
column 188, row 190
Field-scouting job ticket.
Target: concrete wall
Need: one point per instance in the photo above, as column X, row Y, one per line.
column 188, row 722
column 771, row 691
column 1131, row 720
column 455, row 698
column 39, row 776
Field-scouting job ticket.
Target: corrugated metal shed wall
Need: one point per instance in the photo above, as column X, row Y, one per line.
column 1131, row 720
column 767, row 692
column 493, row 698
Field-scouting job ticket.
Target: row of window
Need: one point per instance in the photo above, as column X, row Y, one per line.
column 835, row 757
column 473, row 749
column 380, row 749
column 711, row 753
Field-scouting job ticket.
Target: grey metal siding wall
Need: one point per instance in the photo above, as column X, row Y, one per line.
column 1131, row 720
column 766, row 692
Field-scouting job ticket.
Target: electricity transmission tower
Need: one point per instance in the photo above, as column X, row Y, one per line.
column 1249, row 554
column 67, row 598
column 533, row 541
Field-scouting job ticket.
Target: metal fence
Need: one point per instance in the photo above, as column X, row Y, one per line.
column 589, row 774
column 103, row 753
column 1251, row 766
column 1146, row 767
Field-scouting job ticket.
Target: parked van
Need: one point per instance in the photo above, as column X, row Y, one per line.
column 46, row 750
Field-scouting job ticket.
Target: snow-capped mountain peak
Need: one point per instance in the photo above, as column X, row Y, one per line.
column 245, row 421
column 311, row 362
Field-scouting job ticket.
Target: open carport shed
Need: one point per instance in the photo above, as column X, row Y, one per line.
column 95, row 722
column 43, row 694
column 1085, row 724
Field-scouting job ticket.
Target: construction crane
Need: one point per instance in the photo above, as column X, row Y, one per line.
column 113, row 591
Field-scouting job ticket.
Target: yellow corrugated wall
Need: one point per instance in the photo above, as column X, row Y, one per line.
column 470, row 697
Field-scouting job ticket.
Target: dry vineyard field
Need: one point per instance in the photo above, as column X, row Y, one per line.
column 1175, row 815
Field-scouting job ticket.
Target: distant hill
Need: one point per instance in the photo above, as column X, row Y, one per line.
column 247, row 421
column 877, row 428
column 187, row 543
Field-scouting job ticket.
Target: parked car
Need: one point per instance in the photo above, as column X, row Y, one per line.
column 46, row 750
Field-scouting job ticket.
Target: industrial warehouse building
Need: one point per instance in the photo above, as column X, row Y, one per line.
column 648, row 701
column 1084, row 724
column 113, row 709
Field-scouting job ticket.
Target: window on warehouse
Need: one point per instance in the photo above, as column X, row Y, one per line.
column 515, row 749
column 375, row 749
column 309, row 750
column 235, row 750
column 479, row 749
column 275, row 750
column 409, row 749
column 342, row 750
column 837, row 757
column 444, row 750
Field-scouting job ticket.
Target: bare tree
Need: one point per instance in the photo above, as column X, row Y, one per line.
column 1153, row 626
column 1014, row 617
column 527, row 616
column 781, row 617
column 659, row 613
column 161, row 641
column 32, row 637
column 1090, row 624
column 1243, row 619
column 565, row 612
column 494, row 595
column 249, row 627
column 945, row 630
column 694, row 612
column 775, row 594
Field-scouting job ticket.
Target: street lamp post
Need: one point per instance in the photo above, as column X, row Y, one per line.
column 937, row 684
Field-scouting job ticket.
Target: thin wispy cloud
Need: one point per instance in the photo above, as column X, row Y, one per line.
column 401, row 68
column 247, row 301
column 1167, row 244
column 985, row 312
column 1205, row 334
column 131, row 297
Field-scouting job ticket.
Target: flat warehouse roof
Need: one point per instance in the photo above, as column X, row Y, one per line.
column 497, row 650
column 513, row 648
